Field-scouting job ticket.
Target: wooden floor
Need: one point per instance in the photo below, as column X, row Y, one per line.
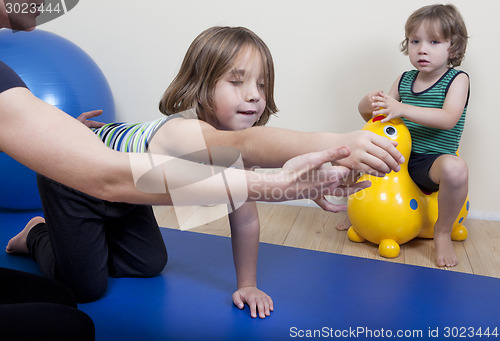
column 312, row 228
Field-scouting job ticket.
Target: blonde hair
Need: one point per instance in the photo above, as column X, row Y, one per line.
column 448, row 24
column 212, row 55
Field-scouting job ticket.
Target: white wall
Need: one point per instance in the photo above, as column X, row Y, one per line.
column 327, row 54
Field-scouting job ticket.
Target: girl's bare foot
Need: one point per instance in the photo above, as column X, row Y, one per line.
column 445, row 254
column 18, row 243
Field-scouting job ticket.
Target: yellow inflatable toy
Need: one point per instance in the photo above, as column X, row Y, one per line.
column 393, row 210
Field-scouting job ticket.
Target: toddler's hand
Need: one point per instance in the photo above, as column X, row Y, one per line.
column 372, row 95
column 256, row 299
column 384, row 104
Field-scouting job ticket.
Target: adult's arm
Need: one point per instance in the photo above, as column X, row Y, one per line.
column 56, row 145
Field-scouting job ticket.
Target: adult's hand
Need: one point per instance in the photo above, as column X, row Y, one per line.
column 310, row 176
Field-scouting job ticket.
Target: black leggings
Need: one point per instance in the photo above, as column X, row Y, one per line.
column 85, row 239
column 37, row 308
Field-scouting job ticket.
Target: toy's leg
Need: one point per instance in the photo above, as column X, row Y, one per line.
column 459, row 233
column 388, row 248
column 354, row 236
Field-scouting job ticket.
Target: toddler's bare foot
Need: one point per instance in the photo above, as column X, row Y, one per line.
column 344, row 225
column 445, row 254
column 18, row 243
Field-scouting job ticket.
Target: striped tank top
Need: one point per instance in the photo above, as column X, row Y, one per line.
column 428, row 140
column 130, row 137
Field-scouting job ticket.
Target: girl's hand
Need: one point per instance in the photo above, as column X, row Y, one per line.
column 256, row 299
column 84, row 118
column 387, row 105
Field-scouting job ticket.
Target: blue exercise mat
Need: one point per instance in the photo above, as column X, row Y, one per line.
column 317, row 295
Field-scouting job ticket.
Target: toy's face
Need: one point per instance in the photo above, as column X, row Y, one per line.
column 394, row 130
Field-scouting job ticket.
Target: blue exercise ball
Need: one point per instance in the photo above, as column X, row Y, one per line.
column 61, row 74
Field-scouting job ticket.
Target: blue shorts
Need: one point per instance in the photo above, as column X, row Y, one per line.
column 418, row 167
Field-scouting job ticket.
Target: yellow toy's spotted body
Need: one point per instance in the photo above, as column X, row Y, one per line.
column 393, row 210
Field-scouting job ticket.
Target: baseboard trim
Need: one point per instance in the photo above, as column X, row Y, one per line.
column 473, row 214
column 480, row 215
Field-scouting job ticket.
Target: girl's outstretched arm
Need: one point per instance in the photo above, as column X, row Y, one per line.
column 271, row 147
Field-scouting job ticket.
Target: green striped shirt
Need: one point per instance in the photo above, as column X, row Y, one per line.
column 428, row 140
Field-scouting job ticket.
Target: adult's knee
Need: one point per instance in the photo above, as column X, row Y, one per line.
column 45, row 321
column 76, row 325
